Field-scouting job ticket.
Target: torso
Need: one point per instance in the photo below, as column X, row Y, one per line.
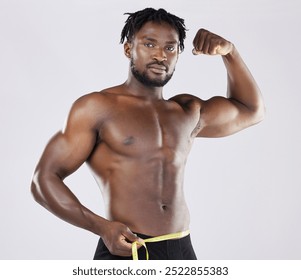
column 140, row 158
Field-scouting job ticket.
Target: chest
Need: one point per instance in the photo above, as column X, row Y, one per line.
column 137, row 129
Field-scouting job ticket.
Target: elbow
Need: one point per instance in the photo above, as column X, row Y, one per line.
column 261, row 109
column 260, row 113
column 36, row 187
column 258, row 116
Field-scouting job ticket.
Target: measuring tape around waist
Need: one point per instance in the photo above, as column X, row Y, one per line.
column 156, row 239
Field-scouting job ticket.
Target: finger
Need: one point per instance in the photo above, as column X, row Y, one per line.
column 202, row 39
column 130, row 236
column 195, row 52
column 199, row 39
column 124, row 248
column 213, row 48
column 195, row 43
column 124, row 244
column 195, row 39
column 207, row 44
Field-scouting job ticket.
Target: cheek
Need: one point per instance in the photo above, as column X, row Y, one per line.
column 139, row 54
column 172, row 63
column 140, row 58
column 137, row 63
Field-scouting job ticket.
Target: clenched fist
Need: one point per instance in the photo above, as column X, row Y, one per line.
column 209, row 43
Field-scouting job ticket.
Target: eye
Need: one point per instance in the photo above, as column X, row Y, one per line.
column 170, row 48
column 149, row 45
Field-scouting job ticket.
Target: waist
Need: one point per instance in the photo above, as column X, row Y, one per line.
column 145, row 236
column 151, row 239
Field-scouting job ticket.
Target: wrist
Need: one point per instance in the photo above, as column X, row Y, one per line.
column 95, row 223
column 99, row 226
column 232, row 52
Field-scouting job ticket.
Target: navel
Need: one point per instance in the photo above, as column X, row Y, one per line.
column 164, row 207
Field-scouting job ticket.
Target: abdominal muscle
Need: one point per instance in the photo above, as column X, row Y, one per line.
column 145, row 195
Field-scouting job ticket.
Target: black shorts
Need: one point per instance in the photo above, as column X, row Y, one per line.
column 177, row 249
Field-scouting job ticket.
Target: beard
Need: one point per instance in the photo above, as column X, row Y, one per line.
column 146, row 80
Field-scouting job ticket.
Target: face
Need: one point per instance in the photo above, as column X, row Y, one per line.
column 154, row 53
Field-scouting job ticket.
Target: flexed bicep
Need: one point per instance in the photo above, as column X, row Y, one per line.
column 220, row 116
column 243, row 106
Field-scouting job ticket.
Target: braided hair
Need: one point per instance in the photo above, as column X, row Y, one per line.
column 136, row 20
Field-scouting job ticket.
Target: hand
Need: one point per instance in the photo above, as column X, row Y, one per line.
column 118, row 239
column 209, row 43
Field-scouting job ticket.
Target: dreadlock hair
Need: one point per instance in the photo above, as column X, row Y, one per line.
column 136, row 20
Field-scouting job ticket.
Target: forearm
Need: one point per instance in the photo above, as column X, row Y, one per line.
column 51, row 192
column 241, row 85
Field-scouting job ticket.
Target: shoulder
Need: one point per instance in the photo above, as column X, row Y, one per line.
column 94, row 102
column 90, row 109
column 187, row 101
column 90, row 100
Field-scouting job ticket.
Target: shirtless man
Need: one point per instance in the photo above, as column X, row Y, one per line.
column 136, row 142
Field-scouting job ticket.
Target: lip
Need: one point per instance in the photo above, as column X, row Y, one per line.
column 157, row 69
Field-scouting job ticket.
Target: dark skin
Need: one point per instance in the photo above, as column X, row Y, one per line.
column 136, row 142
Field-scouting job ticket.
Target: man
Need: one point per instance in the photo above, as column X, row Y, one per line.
column 136, row 142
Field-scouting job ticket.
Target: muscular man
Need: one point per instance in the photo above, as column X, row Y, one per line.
column 136, row 142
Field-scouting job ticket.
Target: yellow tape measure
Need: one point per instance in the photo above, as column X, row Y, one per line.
column 156, row 239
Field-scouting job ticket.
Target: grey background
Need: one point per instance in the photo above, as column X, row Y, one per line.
column 243, row 191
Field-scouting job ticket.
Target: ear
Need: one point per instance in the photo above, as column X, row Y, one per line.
column 127, row 49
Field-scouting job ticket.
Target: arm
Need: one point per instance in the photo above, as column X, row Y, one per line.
column 243, row 106
column 64, row 154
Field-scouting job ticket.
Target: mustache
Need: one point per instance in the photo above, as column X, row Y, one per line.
column 158, row 63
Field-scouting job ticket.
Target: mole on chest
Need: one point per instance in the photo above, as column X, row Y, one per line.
column 129, row 141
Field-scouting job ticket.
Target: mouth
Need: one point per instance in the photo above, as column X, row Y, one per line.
column 158, row 69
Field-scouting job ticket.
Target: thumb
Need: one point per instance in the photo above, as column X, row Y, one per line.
column 130, row 236
column 195, row 52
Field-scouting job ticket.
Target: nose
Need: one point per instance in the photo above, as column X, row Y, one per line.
column 159, row 55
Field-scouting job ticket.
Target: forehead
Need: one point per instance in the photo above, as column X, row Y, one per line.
column 158, row 31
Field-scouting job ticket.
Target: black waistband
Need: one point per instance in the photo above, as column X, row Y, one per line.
column 144, row 236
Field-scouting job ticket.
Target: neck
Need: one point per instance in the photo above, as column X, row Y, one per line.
column 136, row 88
